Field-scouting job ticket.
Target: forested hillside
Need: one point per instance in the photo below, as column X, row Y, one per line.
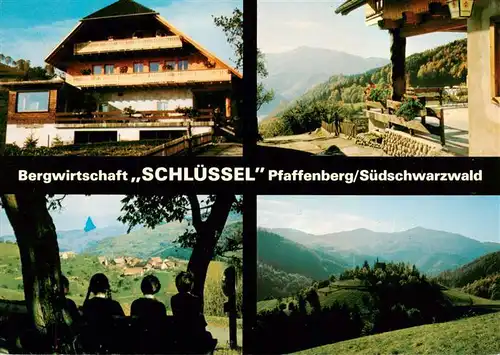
column 442, row 66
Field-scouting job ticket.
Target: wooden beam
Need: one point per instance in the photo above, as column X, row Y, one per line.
column 433, row 25
column 398, row 59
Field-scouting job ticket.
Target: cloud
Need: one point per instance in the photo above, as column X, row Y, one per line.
column 192, row 17
column 284, row 25
column 283, row 214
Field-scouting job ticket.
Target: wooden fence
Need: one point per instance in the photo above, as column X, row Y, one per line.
column 348, row 128
column 181, row 145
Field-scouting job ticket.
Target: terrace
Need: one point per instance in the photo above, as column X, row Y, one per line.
column 443, row 121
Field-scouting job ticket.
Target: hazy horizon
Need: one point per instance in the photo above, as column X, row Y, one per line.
column 474, row 217
column 287, row 24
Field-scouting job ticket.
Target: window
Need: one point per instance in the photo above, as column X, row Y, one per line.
column 97, row 69
column 183, row 65
column 170, row 65
column 138, row 67
column 33, row 101
column 109, row 69
column 154, row 66
column 495, row 59
column 162, row 106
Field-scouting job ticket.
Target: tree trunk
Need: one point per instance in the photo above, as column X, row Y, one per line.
column 398, row 58
column 41, row 268
column 208, row 233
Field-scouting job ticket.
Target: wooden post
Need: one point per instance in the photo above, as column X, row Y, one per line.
column 398, row 58
column 229, row 289
column 441, row 127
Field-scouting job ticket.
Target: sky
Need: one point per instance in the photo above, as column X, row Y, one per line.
column 287, row 24
column 30, row 29
column 104, row 210
column 476, row 217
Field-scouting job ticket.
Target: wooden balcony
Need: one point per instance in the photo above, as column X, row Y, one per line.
column 154, row 78
column 144, row 117
column 133, row 44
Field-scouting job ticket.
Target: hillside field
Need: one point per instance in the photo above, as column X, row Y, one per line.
column 80, row 269
column 474, row 335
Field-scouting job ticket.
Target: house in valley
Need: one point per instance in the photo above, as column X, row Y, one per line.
column 67, row 255
column 127, row 74
column 103, row 260
column 480, row 20
column 134, row 271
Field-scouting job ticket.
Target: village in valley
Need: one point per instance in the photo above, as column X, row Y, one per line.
column 133, row 266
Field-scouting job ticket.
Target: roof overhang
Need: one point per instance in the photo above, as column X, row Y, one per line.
column 349, row 6
column 33, row 84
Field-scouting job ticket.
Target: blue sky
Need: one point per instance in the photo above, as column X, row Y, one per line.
column 30, row 29
column 288, row 24
column 104, row 210
column 476, row 217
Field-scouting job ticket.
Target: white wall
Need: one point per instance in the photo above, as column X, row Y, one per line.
column 46, row 133
column 147, row 100
column 484, row 116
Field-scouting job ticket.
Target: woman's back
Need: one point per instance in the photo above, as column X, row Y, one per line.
column 98, row 308
column 149, row 309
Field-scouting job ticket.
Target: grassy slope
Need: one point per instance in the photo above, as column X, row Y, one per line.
column 80, row 269
column 475, row 335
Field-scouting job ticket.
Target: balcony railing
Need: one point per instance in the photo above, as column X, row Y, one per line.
column 137, row 79
column 205, row 115
column 133, row 44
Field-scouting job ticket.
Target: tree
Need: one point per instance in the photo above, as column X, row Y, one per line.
column 28, row 214
column 208, row 218
column 233, row 29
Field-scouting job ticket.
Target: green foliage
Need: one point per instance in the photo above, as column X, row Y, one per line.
column 233, row 29
column 30, row 142
column 483, row 267
column 370, row 299
column 274, row 283
column 294, row 258
column 379, row 93
column 442, row 66
column 124, row 148
column 409, row 109
column 57, row 141
column 487, row 287
column 353, row 94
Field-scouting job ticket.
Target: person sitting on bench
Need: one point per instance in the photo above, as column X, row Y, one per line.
column 98, row 314
column 187, row 309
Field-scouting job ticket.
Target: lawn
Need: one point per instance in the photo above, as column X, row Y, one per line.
column 474, row 335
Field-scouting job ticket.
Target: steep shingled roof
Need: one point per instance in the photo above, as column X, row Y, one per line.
column 350, row 5
column 120, row 8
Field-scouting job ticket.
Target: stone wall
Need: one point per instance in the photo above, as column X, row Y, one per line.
column 400, row 144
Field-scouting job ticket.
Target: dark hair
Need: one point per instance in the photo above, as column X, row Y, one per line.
column 150, row 285
column 99, row 283
column 184, row 282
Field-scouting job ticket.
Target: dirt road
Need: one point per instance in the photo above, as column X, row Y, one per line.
column 317, row 143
